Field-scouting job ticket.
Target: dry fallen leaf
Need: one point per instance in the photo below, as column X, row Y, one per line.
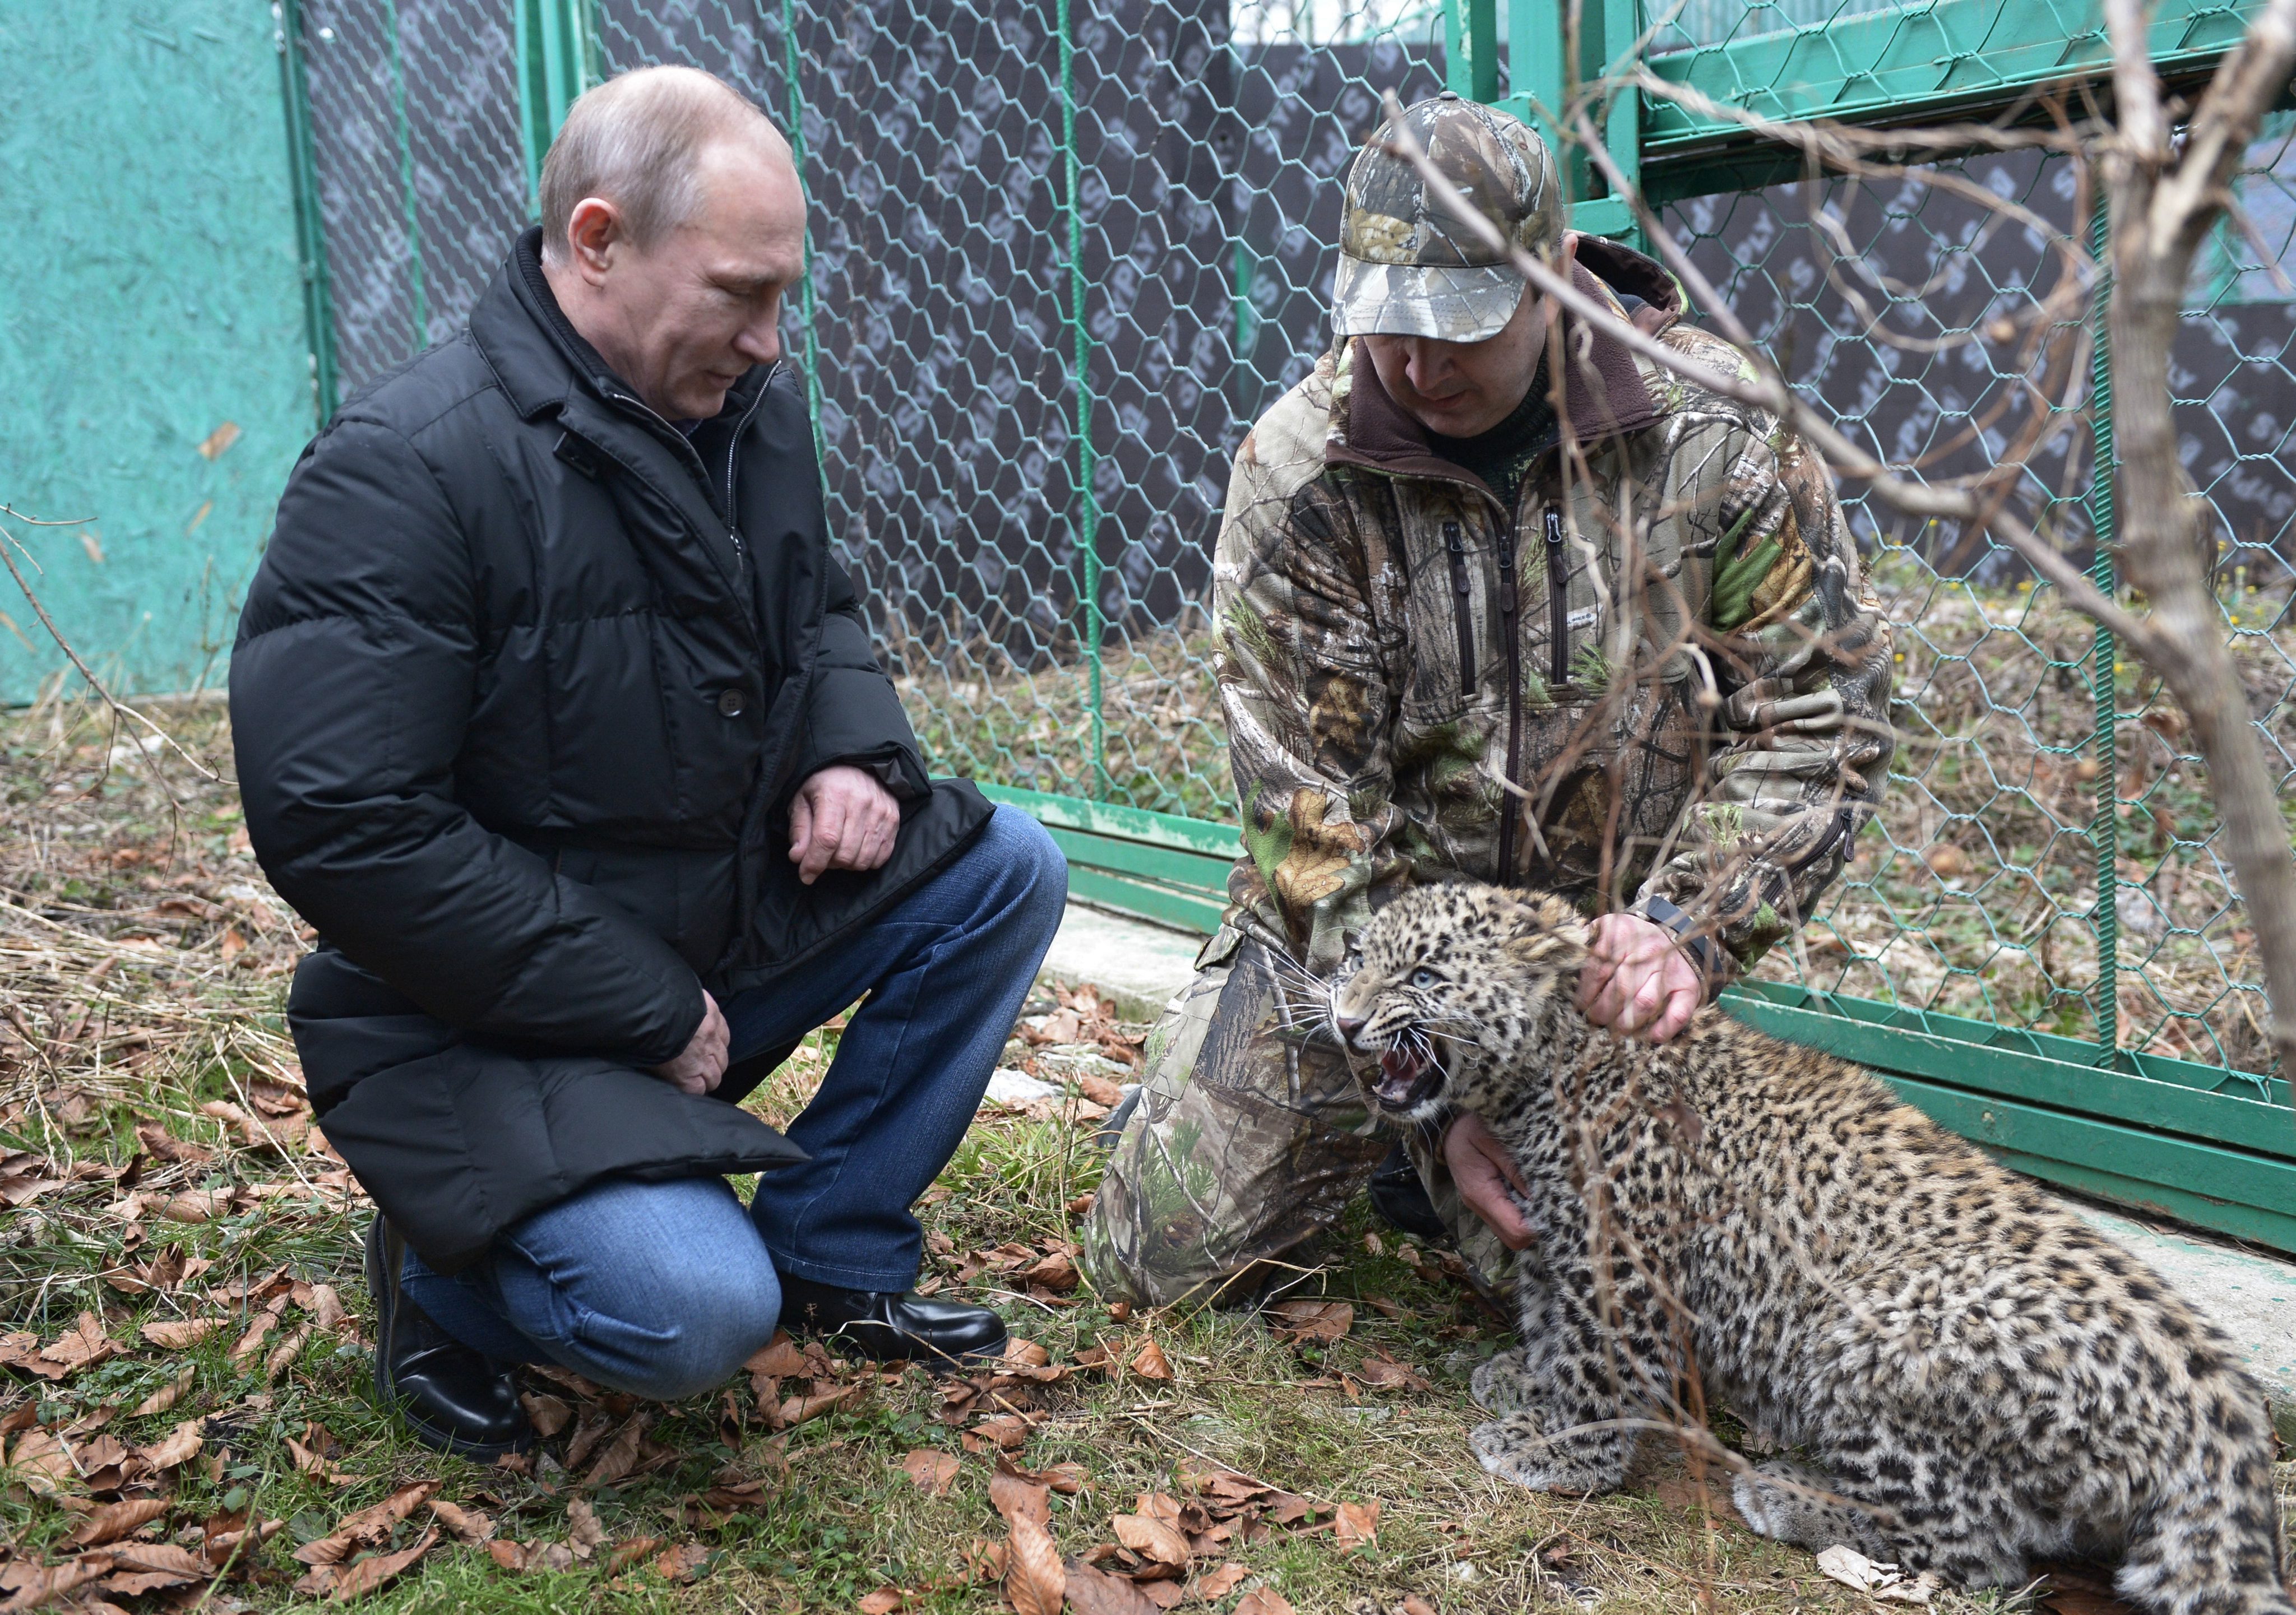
column 367, row 1526
column 1320, row 1321
column 1095, row 1591
column 114, row 1520
column 1100, row 1090
column 1263, row 1601
column 42, row 1462
column 1416, row 1605
column 1851, row 1568
column 84, row 1346
column 582, row 1525
column 1035, row 1580
column 177, row 1334
column 1151, row 1539
column 1357, row 1523
column 166, row 1396
column 468, row 1524
column 798, row 1410
column 629, row 1553
column 548, row 1414
column 1150, row 1363
column 683, row 1563
column 935, row 1472
column 620, row 1455
column 778, row 1360
column 1386, row 1373
column 283, row 1356
column 1218, row 1582
column 1016, row 1498
column 180, row 1445
column 358, row 1580
column 884, row 1601
column 153, row 1564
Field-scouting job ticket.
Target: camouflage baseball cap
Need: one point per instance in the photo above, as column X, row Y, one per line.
column 1409, row 267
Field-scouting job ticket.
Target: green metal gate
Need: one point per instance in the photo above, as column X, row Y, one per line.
column 1063, row 255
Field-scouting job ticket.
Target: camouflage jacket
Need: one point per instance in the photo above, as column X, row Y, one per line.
column 1671, row 624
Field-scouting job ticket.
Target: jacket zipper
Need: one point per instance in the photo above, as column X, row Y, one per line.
column 1461, row 606
column 733, row 451
column 1509, row 637
column 1558, row 604
column 733, row 447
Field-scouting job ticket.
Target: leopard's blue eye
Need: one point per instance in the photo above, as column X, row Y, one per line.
column 1424, row 977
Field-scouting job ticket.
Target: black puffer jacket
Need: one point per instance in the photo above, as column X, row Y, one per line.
column 522, row 692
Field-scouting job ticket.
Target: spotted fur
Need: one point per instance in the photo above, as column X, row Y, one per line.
column 1972, row 1376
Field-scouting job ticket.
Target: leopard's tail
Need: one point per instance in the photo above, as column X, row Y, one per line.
column 2207, row 1540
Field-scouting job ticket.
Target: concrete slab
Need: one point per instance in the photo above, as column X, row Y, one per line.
column 1138, row 965
column 2250, row 1297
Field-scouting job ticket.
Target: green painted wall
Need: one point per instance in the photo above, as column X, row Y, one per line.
column 150, row 295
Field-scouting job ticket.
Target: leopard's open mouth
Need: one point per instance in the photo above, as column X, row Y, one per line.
column 1408, row 1076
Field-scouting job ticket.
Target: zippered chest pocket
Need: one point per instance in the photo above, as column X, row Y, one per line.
column 1453, row 616
column 1463, row 605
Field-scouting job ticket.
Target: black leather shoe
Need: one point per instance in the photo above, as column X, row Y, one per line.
column 1398, row 1195
column 887, row 1328
column 454, row 1398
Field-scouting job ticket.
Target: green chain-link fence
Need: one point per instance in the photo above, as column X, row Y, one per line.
column 1064, row 254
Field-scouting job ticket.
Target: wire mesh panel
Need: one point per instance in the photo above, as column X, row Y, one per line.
column 422, row 177
column 1039, row 558
column 1919, row 317
column 1063, row 255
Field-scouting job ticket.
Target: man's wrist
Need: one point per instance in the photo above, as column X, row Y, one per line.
column 1701, row 949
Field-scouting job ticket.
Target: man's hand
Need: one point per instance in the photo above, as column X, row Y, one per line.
column 1482, row 1168
column 703, row 1063
column 1638, row 981
column 842, row 818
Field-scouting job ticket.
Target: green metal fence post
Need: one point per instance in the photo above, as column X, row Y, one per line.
column 406, row 177
column 557, row 61
column 1088, row 508
column 2105, row 829
column 1623, row 122
column 1482, row 50
column 794, row 93
column 311, row 225
column 1539, row 79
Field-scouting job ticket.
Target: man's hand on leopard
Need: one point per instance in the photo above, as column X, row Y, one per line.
column 1484, row 1171
column 842, row 818
column 1638, row 981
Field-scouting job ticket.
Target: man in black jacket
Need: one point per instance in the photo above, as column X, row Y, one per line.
column 558, row 720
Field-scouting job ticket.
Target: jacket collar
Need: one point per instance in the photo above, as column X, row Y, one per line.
column 541, row 360
column 1604, row 394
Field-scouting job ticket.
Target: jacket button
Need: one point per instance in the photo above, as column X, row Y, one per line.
column 733, row 703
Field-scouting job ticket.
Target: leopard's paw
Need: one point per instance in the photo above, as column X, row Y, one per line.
column 1500, row 1385
column 1513, row 1449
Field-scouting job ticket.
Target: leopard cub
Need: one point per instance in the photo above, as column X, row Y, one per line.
column 1975, row 1377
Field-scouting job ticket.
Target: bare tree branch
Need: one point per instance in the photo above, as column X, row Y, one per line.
column 1769, row 390
column 118, row 706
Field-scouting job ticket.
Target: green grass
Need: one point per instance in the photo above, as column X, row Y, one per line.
column 130, row 1005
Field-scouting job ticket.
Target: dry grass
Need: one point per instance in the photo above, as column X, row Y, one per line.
column 147, row 964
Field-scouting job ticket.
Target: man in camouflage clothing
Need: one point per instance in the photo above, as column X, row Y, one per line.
column 1499, row 601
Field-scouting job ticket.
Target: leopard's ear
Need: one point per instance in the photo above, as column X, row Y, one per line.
column 1548, row 935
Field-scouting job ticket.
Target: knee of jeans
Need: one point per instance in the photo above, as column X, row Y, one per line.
column 1031, row 859
column 714, row 1330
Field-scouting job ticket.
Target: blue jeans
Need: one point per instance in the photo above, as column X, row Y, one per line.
column 662, row 1289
